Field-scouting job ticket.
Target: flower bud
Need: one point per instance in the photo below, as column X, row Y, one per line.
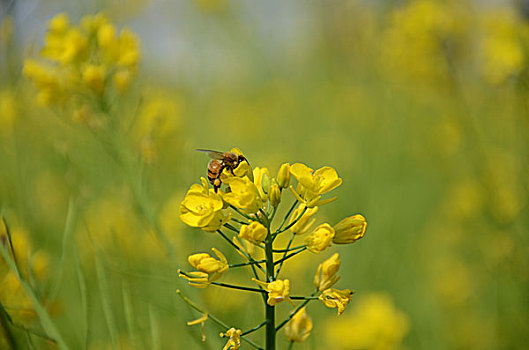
column 299, row 327
column 325, row 276
column 275, row 194
column 283, row 175
column 335, row 298
column 320, row 239
column 205, row 263
column 305, row 222
column 255, row 232
column 350, row 229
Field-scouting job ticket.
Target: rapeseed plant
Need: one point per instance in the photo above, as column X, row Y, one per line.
column 246, row 205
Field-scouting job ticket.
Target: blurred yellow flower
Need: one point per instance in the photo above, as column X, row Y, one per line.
column 244, row 194
column 502, row 46
column 234, row 343
column 255, row 232
column 320, row 239
column 326, row 276
column 304, row 224
column 202, row 207
column 94, row 76
column 8, row 110
column 278, row 291
column 350, row 229
column 299, row 327
column 335, row 298
column 89, row 55
column 374, row 323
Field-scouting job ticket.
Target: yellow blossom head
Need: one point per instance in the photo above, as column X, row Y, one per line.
column 202, row 207
column 234, row 343
column 335, row 298
column 316, row 182
column 326, row 276
column 278, row 291
column 255, row 232
column 299, row 327
column 306, row 221
column 244, row 194
column 202, row 322
column 350, row 229
column 320, row 239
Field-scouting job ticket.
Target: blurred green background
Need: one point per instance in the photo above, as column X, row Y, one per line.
column 421, row 106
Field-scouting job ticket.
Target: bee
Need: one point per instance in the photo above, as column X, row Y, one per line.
column 219, row 162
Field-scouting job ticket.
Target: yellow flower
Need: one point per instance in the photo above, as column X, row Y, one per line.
column 350, row 229
column 275, row 194
column 234, row 343
column 255, row 232
column 205, row 263
column 283, row 175
column 202, row 207
column 262, row 182
column 326, row 276
column 278, row 291
column 202, row 321
column 305, row 222
column 244, row 194
column 320, row 239
column 299, row 327
column 335, row 298
column 94, row 77
column 312, row 184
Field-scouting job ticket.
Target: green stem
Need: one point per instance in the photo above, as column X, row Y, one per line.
column 233, row 286
column 290, row 255
column 295, row 311
column 241, row 213
column 248, row 263
column 270, row 310
column 4, row 320
column 288, row 214
column 290, row 345
column 213, row 318
column 228, row 226
column 254, row 328
column 303, row 298
column 288, row 249
column 285, row 254
column 44, row 317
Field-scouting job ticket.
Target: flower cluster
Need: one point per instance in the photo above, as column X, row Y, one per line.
column 245, row 201
column 85, row 61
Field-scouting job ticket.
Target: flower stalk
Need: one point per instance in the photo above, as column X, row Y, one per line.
column 256, row 196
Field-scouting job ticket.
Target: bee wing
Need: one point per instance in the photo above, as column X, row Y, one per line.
column 212, row 154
